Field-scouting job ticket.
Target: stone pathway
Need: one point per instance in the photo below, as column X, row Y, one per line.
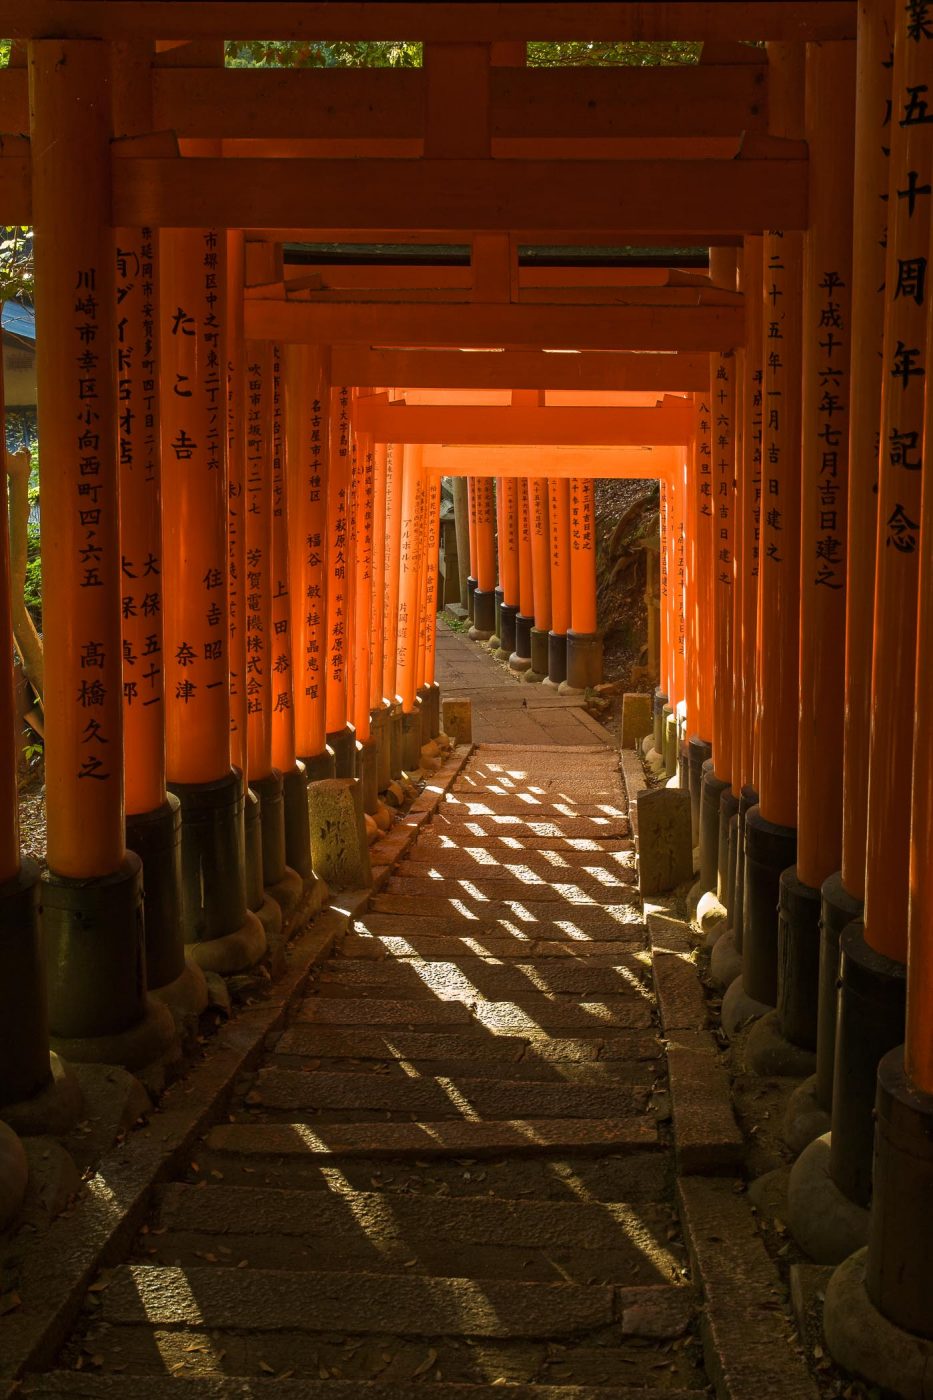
column 452, row 1170
column 505, row 710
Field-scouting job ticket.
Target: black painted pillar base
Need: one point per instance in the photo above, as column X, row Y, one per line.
column 424, row 700
column 297, row 822
column 260, row 903
column 24, row 1064
column 520, row 660
column 343, row 743
column 700, row 752
column 556, row 660
column 508, row 614
column 379, row 728
column 584, row 662
column 839, row 909
column 871, row 1010
column 471, row 589
column 156, row 838
column 726, row 850
column 484, row 615
column 799, row 908
column 221, row 934
column 748, row 798
column 99, row 1010
column 710, row 798
column 368, row 768
column 272, row 825
column 769, row 850
column 319, row 766
column 538, row 648
column 683, row 776
column 659, row 700
column 394, row 723
column 411, row 740
column 495, row 641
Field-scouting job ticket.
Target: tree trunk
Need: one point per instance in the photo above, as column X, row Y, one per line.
column 28, row 641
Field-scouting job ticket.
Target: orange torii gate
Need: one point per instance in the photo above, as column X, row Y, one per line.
column 172, row 588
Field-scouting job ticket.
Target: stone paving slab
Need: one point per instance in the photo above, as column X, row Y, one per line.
column 527, row 804
column 488, row 824
column 290, row 1091
column 338, row 1216
column 266, row 1300
column 707, row 1138
column 469, row 975
column 505, row 1053
column 750, row 1346
column 536, row 1012
column 520, row 1137
column 497, row 843
column 586, row 918
column 72, row 1385
column 582, row 924
column 681, row 1003
column 479, row 889
column 591, row 869
column 380, row 1012
column 438, row 945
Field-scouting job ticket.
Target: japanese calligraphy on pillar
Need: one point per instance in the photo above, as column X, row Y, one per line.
column 258, row 512
column 314, row 554
column 283, row 724
column 723, row 396
column 755, row 440
column 141, row 515
column 906, row 284
column 704, row 457
column 780, row 438
column 830, row 423
column 338, row 558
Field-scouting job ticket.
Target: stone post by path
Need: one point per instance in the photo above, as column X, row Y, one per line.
column 92, row 893
column 786, row 1040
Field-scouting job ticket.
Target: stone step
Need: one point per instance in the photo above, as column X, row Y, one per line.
column 508, row 1056
column 81, row 1385
column 434, row 840
column 477, row 889
column 583, row 925
column 586, row 773
column 439, row 946
column 449, row 1138
column 475, row 1237
column 293, row 1091
column 532, row 873
column 594, row 828
column 530, row 805
column 524, row 912
column 533, row 1016
column 510, row 863
column 309, row 1301
column 470, row 976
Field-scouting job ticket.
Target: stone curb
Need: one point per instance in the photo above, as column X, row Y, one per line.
column 707, row 1138
column 98, row 1231
column 750, row 1348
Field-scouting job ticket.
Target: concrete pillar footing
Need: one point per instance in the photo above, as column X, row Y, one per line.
column 213, row 858
column 508, row 619
column 52, row 1110
column 769, row 1052
column 411, row 740
column 233, row 952
column 155, row 837
column 187, row 994
column 286, row 892
column 151, row 1040
column 584, row 661
column 484, row 615
column 556, row 659
column 14, row 1175
column 825, row 1223
column 725, row 963
column 805, row 1117
column 865, row 1343
column 739, row 1009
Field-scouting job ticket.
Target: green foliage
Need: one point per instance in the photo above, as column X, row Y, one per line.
column 16, row 266
column 277, row 53
column 32, row 588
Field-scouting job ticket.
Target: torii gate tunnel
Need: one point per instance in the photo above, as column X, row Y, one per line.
column 275, row 306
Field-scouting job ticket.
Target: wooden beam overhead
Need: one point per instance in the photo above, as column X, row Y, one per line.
column 625, row 462
column 732, row 196
column 520, row 369
column 510, row 326
column 791, row 20
column 669, row 425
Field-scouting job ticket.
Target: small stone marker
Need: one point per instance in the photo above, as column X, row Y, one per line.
column 637, row 719
column 457, row 720
column 339, row 849
column 665, row 841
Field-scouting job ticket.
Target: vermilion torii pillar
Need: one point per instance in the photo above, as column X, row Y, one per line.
column 874, row 950
column 789, row 1035
column 700, row 716
column 520, row 660
column 409, row 609
column 484, row 598
column 559, row 526
column 341, row 736
column 770, row 828
column 584, row 642
column 537, row 489
column 306, row 448
column 508, row 533
column 92, row 898
column 153, row 816
column 471, row 517
column 378, row 702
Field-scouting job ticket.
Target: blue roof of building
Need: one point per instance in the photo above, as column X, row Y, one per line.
column 19, row 320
